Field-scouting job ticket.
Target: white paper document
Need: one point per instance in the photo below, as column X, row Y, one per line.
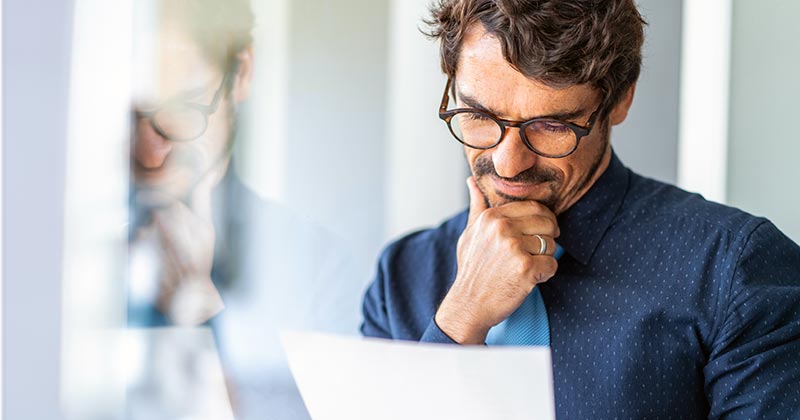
column 360, row 378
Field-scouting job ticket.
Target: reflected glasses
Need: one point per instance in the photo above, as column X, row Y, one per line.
column 547, row 137
column 184, row 121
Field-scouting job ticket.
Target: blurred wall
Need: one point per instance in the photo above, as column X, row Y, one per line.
column 426, row 170
column 336, row 116
column 764, row 143
column 314, row 128
column 647, row 141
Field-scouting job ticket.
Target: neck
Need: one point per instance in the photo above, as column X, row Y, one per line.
column 595, row 172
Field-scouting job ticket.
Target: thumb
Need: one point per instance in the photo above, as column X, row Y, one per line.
column 477, row 201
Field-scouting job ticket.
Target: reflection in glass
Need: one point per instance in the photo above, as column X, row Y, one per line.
column 212, row 270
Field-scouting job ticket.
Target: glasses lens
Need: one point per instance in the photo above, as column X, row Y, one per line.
column 180, row 122
column 550, row 137
column 475, row 129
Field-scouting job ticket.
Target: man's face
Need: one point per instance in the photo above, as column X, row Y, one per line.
column 176, row 71
column 510, row 171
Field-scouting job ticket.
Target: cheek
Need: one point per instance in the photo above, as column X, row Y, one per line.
column 472, row 156
column 216, row 136
column 566, row 167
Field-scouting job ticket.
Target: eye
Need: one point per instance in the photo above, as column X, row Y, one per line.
column 556, row 127
column 553, row 127
column 477, row 116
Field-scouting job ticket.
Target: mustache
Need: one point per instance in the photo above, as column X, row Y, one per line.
column 533, row 175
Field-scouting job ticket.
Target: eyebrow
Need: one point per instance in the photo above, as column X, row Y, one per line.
column 192, row 93
column 195, row 93
column 560, row 115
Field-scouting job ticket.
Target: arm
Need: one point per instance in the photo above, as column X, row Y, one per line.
column 376, row 319
column 754, row 366
column 398, row 266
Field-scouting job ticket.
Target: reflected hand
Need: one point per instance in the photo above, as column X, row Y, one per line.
column 187, row 294
column 498, row 265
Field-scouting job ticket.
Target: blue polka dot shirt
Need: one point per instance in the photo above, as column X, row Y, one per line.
column 665, row 305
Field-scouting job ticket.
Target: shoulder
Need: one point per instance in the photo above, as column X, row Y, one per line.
column 655, row 202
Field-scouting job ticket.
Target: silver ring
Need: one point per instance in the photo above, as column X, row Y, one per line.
column 542, row 245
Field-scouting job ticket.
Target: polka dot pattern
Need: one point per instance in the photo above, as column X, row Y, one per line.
column 664, row 306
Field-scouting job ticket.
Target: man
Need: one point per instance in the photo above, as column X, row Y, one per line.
column 204, row 248
column 655, row 303
column 186, row 98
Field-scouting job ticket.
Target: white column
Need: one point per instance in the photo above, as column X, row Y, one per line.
column 261, row 160
column 96, row 203
column 705, row 76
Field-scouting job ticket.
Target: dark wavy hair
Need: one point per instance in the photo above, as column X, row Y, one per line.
column 557, row 42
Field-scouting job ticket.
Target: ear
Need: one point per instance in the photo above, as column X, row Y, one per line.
column 244, row 76
column 620, row 111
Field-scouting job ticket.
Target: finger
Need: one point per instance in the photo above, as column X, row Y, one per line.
column 533, row 245
column 184, row 237
column 538, row 269
column 545, row 268
column 477, row 201
column 524, row 208
column 532, row 225
column 180, row 220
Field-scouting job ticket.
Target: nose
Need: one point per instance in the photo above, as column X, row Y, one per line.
column 150, row 149
column 511, row 156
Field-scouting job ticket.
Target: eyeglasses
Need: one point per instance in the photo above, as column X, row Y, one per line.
column 546, row 137
column 184, row 121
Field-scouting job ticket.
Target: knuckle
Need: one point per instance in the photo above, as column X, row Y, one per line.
column 546, row 269
column 490, row 213
column 515, row 245
column 547, row 225
column 525, row 265
column 552, row 226
column 539, row 208
column 502, row 226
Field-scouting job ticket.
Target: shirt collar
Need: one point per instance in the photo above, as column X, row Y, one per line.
column 584, row 224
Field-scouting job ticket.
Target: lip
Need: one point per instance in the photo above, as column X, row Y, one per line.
column 151, row 176
column 513, row 189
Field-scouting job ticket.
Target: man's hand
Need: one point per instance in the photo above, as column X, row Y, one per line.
column 187, row 294
column 498, row 265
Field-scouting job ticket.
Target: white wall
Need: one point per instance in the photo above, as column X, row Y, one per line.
column 343, row 125
column 763, row 174
column 647, row 141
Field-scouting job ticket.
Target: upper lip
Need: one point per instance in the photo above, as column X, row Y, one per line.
column 513, row 188
column 514, row 184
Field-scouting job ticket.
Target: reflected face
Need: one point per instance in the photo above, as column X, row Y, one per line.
column 181, row 79
column 510, row 171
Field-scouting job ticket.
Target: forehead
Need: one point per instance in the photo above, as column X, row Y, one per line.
column 167, row 62
column 485, row 75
